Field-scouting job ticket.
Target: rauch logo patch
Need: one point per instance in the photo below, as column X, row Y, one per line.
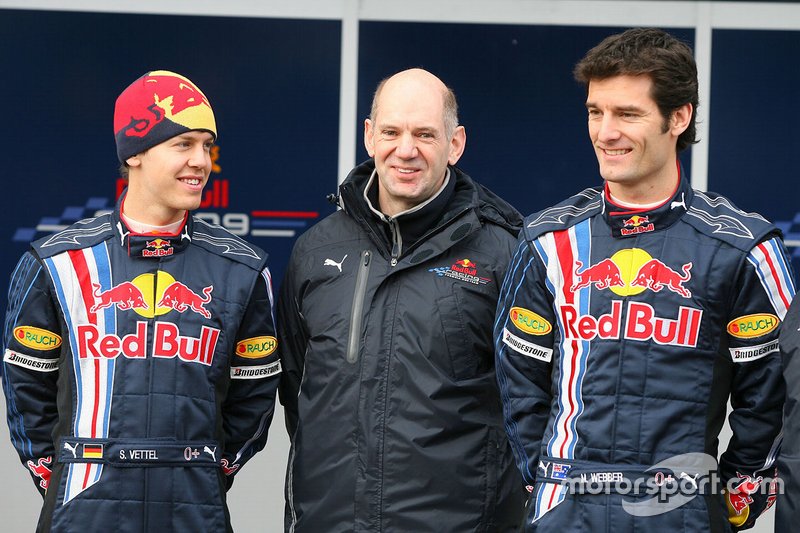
column 749, row 326
column 37, row 338
column 529, row 322
column 256, row 347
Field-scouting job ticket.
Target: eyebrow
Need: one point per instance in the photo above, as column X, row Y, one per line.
column 618, row 108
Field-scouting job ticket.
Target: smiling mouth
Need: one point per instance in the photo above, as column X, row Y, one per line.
column 191, row 181
column 615, row 152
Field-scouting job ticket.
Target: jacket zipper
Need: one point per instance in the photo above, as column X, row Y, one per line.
column 356, row 313
column 397, row 241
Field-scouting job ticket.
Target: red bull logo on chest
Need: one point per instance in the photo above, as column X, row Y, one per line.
column 151, row 295
column 632, row 271
column 627, row 273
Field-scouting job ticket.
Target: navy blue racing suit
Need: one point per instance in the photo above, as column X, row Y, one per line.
column 140, row 373
column 620, row 337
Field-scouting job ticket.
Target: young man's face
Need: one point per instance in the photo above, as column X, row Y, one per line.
column 168, row 178
column 409, row 142
column 635, row 147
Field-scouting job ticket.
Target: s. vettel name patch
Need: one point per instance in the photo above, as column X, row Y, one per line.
column 527, row 348
column 36, row 338
column 529, row 322
column 744, row 354
column 749, row 326
column 256, row 347
column 30, row 362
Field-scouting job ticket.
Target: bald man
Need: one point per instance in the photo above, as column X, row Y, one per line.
column 387, row 306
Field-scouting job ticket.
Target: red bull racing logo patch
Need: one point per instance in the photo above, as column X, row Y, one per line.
column 157, row 248
column 462, row 270
column 629, row 272
column 636, row 224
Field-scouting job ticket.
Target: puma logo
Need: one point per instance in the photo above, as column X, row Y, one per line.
column 682, row 203
column 690, row 479
column 73, row 449
column 209, row 451
column 331, row 262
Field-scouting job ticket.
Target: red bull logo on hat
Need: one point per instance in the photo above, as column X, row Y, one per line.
column 162, row 95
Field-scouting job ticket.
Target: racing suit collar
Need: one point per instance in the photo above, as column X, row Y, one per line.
column 628, row 222
column 150, row 246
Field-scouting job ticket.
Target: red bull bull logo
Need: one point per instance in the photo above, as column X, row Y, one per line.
column 739, row 499
column 150, row 295
column 631, row 271
column 125, row 296
column 465, row 266
column 179, row 297
column 41, row 469
column 655, row 275
column 167, row 96
column 603, row 275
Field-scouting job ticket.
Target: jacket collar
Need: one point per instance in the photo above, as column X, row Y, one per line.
column 627, row 222
column 150, row 246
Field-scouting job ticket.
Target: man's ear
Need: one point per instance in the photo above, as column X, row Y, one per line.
column 680, row 119
column 369, row 142
column 134, row 161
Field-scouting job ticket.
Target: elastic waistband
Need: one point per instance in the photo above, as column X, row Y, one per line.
column 585, row 477
column 139, row 452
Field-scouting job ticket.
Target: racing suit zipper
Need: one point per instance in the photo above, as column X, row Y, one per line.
column 356, row 313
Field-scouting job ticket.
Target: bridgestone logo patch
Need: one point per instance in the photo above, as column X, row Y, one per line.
column 255, row 372
column 527, row 348
column 751, row 353
column 30, row 362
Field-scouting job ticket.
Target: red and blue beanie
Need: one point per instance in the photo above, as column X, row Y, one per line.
column 156, row 107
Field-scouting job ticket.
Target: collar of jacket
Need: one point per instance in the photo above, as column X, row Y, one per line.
column 626, row 222
column 150, row 246
column 417, row 221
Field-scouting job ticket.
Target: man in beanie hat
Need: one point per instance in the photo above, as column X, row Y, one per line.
column 140, row 363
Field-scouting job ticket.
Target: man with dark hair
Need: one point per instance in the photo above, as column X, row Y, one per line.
column 631, row 313
column 386, row 311
column 140, row 364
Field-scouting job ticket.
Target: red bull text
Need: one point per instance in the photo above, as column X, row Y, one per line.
column 167, row 343
column 640, row 323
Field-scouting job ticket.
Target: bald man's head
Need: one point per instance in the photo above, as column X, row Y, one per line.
column 420, row 78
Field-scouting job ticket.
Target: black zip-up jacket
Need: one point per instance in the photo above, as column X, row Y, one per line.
column 389, row 387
